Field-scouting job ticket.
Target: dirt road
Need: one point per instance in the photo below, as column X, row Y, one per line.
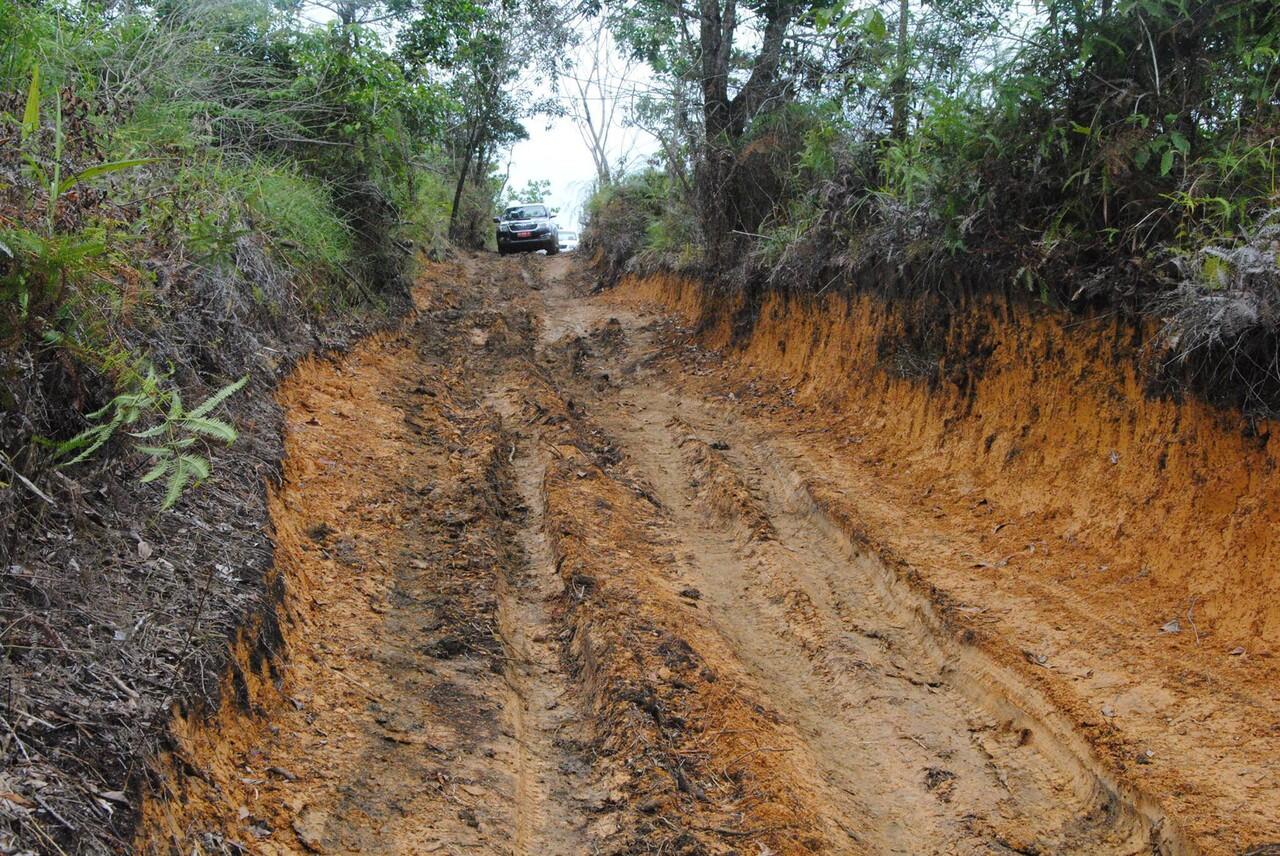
column 545, row 589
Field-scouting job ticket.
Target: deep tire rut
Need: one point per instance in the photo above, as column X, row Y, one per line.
column 920, row 742
column 551, row 785
column 914, row 760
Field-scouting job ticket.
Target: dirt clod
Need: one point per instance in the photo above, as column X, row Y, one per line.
column 309, row 827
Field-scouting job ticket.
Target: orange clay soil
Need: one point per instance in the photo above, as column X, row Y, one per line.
column 555, row 575
column 477, row 646
column 366, row 732
column 1115, row 553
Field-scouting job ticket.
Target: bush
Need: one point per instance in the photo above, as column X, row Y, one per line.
column 634, row 224
column 1221, row 322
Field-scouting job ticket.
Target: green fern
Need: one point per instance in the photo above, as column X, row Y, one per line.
column 172, row 437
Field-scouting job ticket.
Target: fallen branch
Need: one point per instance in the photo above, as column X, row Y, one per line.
column 27, row 483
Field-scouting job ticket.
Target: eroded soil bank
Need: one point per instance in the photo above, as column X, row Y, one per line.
column 557, row 576
column 1117, row 550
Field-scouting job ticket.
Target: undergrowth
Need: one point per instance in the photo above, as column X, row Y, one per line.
column 1116, row 156
column 208, row 159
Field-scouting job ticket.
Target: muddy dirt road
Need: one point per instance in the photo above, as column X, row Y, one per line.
column 545, row 590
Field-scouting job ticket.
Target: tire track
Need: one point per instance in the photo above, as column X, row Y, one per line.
column 925, row 747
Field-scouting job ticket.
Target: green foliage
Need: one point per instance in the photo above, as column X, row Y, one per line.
column 534, row 190
column 41, row 264
column 228, row 197
column 280, row 168
column 299, row 214
column 171, row 443
column 45, row 258
column 634, row 218
column 1072, row 150
column 1124, row 124
column 45, row 167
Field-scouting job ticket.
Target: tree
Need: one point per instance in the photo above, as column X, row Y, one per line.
column 534, row 190
column 498, row 65
column 603, row 92
column 901, row 98
column 735, row 85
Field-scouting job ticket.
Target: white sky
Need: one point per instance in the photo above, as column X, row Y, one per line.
column 555, row 152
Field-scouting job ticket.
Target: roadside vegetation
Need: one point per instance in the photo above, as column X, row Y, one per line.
column 1092, row 155
column 194, row 195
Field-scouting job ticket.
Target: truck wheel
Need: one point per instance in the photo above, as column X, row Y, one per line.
column 553, row 248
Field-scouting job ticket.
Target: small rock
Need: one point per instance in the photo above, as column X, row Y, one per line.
column 691, row 593
column 649, row 806
column 1236, row 651
column 468, row 816
column 309, row 827
column 1171, row 627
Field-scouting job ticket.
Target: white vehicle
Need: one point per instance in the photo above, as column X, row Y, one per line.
column 568, row 240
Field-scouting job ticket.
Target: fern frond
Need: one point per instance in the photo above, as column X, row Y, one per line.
column 179, row 478
column 157, row 471
column 213, row 428
column 206, row 407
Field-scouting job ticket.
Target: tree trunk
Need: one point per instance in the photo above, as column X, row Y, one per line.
column 726, row 119
column 461, row 185
column 901, row 101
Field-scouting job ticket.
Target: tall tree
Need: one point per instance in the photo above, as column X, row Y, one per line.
column 499, row 65
column 901, row 97
column 734, row 52
column 603, row 92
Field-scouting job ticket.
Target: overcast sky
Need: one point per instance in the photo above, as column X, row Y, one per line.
column 555, row 152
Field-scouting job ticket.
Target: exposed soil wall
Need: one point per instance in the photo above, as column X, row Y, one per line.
column 203, row 777
column 1057, row 424
column 112, row 612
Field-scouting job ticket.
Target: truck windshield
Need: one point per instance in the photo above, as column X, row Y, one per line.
column 525, row 212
